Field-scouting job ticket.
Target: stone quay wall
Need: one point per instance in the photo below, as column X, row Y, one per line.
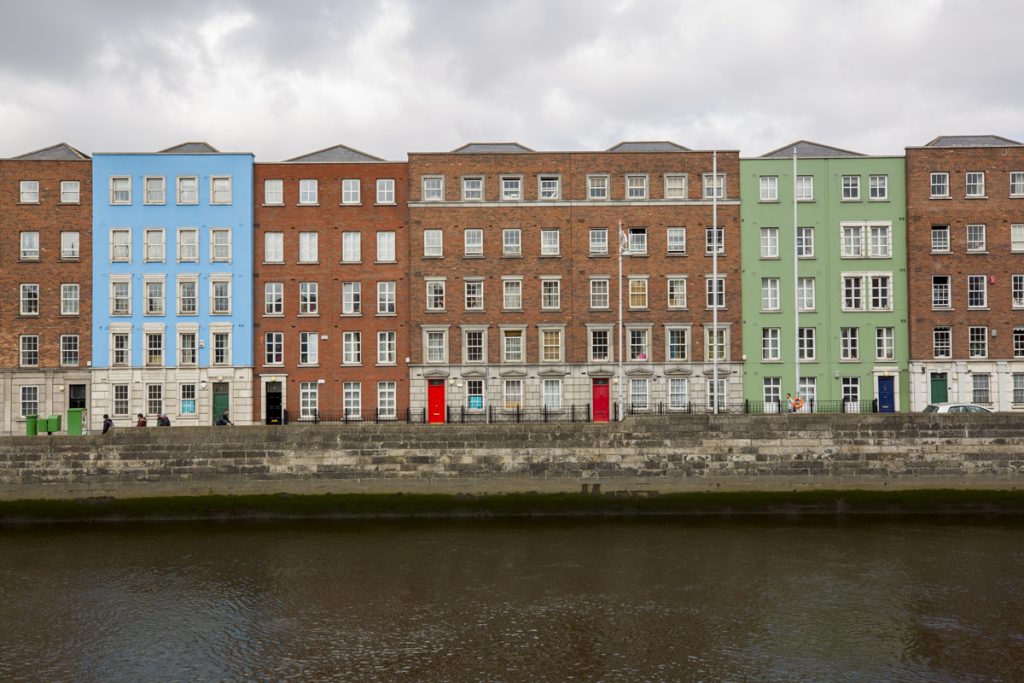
column 641, row 454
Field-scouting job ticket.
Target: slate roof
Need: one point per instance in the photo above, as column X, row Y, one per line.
column 191, row 148
column 337, row 153
column 807, row 149
column 648, row 146
column 972, row 141
column 62, row 151
column 491, row 148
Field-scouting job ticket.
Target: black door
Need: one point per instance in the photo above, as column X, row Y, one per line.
column 76, row 396
column 274, row 403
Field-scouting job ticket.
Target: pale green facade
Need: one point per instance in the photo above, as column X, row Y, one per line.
column 852, row 271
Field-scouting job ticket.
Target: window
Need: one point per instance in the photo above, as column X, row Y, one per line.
column 549, row 242
column 30, row 246
column 550, row 187
column 387, row 399
column 714, row 186
column 638, row 292
column 805, row 294
column 975, row 184
column 939, row 185
column 385, row 190
column 475, row 394
column 714, row 237
column 351, row 348
column 599, row 297
column 432, row 244
column 976, row 238
column 769, row 294
column 350, row 191
column 636, row 187
column 980, row 388
column 977, row 291
column 769, row 188
column 878, row 187
column 676, row 240
column 550, row 294
column 121, row 404
column 597, row 187
column 188, row 299
column 678, row 344
column 473, row 349
column 273, row 192
column 513, row 394
column 69, row 245
column 940, row 238
column 853, row 293
column 155, row 348
column 1017, row 291
column 771, row 392
column 309, row 349
column 853, row 246
column 511, row 188
column 30, row 299
column 220, row 295
column 675, row 186
column 851, row 188
column 769, row 243
column 977, row 342
column 273, row 247
column 437, row 346
column 309, row 298
column 885, row 343
column 805, row 343
column 881, row 292
column 511, row 242
column 1016, row 183
column 807, row 388
column 433, row 188
column 188, row 190
column 1017, row 237
column 156, row 190
column 273, row 298
column 879, row 241
column 805, row 242
column 187, row 348
column 220, row 189
column 637, row 242
column 474, row 295
column 512, row 346
column 120, row 349
column 771, row 349
column 351, row 298
column 387, row 348
column 386, row 298
column 598, row 241
column 29, row 351
column 154, row 245
column 435, row 295
column 28, row 192
column 472, row 189
column 120, row 190
column 473, row 240
column 351, row 247
column 513, row 295
column 639, row 340
column 120, row 297
column 273, row 348
column 941, row 291
column 187, row 394
column 639, row 389
column 69, row 299
column 600, row 345
column 715, row 293
column 308, row 191
column 805, row 188
column 851, row 393
column 942, row 342
column 188, row 245
column 551, row 346
column 385, row 247
column 1018, row 343
column 70, row 192
column 1018, row 387
column 552, row 394
column 309, row 251
column 309, row 400
column 220, row 244
column 676, row 292
column 849, row 343
column 154, row 297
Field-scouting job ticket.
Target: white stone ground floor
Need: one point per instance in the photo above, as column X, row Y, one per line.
column 996, row 384
column 41, row 393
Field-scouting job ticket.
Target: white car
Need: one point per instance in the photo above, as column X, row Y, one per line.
column 955, row 408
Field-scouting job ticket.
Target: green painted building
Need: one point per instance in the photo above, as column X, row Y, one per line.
column 835, row 293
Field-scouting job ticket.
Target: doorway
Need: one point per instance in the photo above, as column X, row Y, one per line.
column 435, row 401
column 599, row 399
column 886, row 395
column 275, row 411
column 939, row 388
column 221, row 400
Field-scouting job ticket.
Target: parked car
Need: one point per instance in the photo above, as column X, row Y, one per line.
column 955, row 408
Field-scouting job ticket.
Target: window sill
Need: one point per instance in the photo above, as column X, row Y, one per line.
column 351, row 315
column 392, row 261
column 386, row 365
column 307, row 263
column 348, row 263
column 680, row 308
column 273, row 315
column 265, row 263
column 70, row 259
column 978, row 308
column 472, row 256
column 879, row 201
column 599, row 254
column 550, row 256
column 943, row 308
column 432, row 258
column 350, row 365
column 386, row 315
column 851, row 200
column 273, row 365
column 385, row 204
column 768, row 201
column 977, row 196
column 29, row 260
column 982, row 253
column 771, row 258
column 308, row 204
column 513, row 256
column 20, row 203
column 941, row 252
column 268, row 204
column 472, row 311
column 940, row 196
column 435, row 310
column 308, row 365
column 351, row 204
column 308, row 315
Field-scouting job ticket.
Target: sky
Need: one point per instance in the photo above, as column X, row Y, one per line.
column 388, row 77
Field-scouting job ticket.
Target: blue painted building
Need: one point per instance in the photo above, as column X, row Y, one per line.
column 172, row 249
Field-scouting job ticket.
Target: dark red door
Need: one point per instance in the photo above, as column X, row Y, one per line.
column 435, row 400
column 600, row 399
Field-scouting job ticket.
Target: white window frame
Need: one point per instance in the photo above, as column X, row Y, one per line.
column 351, row 247
column 550, row 242
column 70, row 192
column 187, row 190
column 154, row 240
column 436, row 293
column 309, row 192
column 309, row 298
column 473, row 242
column 70, row 298
column 309, row 247
column 220, row 241
column 511, row 188
column 351, row 192
column 978, row 178
column 473, row 188
column 387, row 347
column 387, row 303
column 938, row 180
column 804, row 188
column 433, row 243
column 180, row 297
column 273, row 299
column 850, row 188
column 676, row 186
column 511, row 247
column 120, row 252
column 120, row 190
column 352, row 298
column 509, row 284
column 386, row 246
column 154, row 195
column 273, row 247
column 224, row 308
column 28, row 192
column 768, row 186
column 598, row 246
column 672, row 239
column 598, row 187
column 429, row 192
column 273, row 192
column 769, row 243
column 352, row 347
column 636, row 186
column 878, row 187
column 549, row 187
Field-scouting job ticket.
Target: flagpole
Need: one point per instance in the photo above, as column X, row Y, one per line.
column 796, row 287
column 714, row 276
column 622, row 406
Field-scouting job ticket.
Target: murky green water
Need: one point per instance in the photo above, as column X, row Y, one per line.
column 524, row 601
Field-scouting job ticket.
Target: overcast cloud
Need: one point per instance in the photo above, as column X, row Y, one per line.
column 392, row 76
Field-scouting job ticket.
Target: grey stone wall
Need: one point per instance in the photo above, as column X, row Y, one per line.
column 661, row 454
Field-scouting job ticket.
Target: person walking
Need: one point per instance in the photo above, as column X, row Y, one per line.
column 141, row 422
column 224, row 420
column 107, row 423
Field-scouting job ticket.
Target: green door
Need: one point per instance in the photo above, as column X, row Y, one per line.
column 221, row 399
column 940, row 393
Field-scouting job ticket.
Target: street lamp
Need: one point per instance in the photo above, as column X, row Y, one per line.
column 623, row 249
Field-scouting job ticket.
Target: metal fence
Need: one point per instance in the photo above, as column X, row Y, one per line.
column 810, row 406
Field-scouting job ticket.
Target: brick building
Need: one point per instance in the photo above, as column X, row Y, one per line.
column 45, row 270
column 965, row 226
column 331, row 309
column 514, row 279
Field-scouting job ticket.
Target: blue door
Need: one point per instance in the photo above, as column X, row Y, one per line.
column 886, row 395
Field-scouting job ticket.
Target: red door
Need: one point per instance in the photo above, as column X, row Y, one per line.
column 435, row 400
column 600, row 399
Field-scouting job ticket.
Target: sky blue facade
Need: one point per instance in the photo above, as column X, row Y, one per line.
column 138, row 216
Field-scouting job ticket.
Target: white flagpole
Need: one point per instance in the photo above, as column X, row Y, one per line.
column 622, row 245
column 714, row 276
column 796, row 288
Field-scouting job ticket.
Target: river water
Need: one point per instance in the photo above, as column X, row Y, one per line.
column 622, row 600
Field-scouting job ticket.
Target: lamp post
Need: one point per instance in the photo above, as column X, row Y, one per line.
column 623, row 249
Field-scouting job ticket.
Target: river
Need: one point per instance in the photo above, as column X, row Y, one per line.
column 530, row 600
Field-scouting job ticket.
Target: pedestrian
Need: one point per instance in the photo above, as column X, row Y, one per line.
column 141, row 422
column 163, row 421
column 107, row 423
column 224, row 420
column 789, row 403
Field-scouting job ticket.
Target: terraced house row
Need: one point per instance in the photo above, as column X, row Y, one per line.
column 495, row 280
